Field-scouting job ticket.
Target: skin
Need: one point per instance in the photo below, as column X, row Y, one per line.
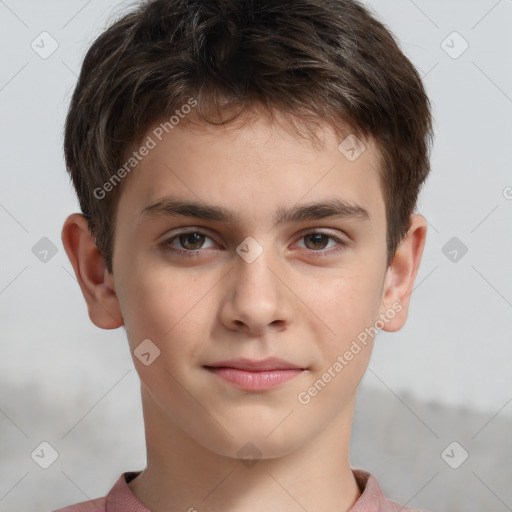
column 215, row 306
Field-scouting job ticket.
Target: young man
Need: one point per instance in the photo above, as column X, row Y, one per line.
column 247, row 172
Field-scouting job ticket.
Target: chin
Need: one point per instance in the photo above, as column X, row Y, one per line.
column 251, row 444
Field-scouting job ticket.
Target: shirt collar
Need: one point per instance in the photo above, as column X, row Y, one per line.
column 121, row 499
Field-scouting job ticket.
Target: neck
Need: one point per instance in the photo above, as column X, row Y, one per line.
column 183, row 475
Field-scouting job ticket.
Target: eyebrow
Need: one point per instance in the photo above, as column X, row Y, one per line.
column 332, row 209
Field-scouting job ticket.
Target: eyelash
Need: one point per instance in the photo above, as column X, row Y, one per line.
column 322, row 253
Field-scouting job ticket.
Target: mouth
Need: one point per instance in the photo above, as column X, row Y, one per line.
column 252, row 375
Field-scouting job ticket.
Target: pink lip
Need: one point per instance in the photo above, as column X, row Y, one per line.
column 255, row 375
column 270, row 363
column 254, row 381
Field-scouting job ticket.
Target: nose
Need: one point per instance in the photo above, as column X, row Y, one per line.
column 257, row 297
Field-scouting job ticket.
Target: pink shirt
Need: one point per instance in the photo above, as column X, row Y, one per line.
column 121, row 499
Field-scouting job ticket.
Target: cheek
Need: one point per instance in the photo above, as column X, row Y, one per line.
column 149, row 304
column 348, row 304
column 168, row 307
column 347, row 307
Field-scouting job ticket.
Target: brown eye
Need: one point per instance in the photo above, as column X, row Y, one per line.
column 191, row 241
column 318, row 240
column 316, row 243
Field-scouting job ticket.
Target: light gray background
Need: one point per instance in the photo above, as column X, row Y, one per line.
column 446, row 376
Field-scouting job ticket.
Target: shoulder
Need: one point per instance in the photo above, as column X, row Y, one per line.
column 118, row 498
column 372, row 498
column 393, row 506
column 96, row 505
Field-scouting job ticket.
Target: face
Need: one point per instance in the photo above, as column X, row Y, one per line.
column 260, row 270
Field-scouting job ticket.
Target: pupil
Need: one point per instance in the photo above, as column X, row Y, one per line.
column 193, row 238
column 317, row 238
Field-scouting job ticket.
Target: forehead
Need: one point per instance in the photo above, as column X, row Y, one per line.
column 252, row 165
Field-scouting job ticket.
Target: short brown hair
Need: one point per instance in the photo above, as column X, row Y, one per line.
column 315, row 60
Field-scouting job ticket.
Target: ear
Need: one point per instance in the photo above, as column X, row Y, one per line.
column 401, row 274
column 96, row 283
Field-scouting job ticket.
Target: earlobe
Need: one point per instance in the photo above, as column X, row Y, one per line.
column 91, row 273
column 401, row 274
